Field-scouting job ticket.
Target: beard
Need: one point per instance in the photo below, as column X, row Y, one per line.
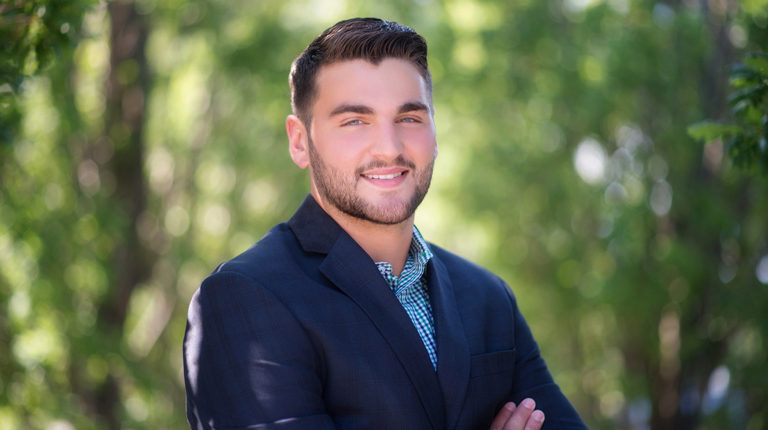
column 340, row 190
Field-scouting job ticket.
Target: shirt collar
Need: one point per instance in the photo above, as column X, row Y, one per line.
column 419, row 250
column 415, row 264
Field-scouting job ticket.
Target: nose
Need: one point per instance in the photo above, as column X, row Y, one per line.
column 386, row 143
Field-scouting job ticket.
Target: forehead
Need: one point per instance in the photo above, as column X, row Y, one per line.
column 392, row 81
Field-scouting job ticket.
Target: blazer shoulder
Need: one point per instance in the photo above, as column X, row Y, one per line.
column 277, row 251
column 470, row 279
column 465, row 272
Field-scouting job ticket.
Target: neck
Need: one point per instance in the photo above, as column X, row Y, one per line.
column 382, row 242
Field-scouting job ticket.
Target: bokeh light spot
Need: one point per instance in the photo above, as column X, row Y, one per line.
column 661, row 198
column 469, row 55
column 214, row 219
column 762, row 270
column 590, row 161
column 176, row 220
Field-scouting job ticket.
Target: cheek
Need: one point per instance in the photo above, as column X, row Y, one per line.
column 343, row 153
column 335, row 146
column 423, row 146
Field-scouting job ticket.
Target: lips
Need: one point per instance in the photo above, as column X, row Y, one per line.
column 383, row 172
column 390, row 176
column 386, row 177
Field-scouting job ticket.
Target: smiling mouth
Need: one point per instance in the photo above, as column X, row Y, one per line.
column 392, row 176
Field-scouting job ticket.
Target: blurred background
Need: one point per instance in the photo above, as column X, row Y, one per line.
column 142, row 143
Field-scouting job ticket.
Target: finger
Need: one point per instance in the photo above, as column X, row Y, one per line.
column 535, row 421
column 520, row 417
column 503, row 416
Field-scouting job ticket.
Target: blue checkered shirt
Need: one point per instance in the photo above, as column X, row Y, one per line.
column 411, row 290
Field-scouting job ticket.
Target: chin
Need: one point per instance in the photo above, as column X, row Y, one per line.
column 388, row 211
column 388, row 217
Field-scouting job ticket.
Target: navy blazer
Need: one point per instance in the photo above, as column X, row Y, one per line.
column 302, row 332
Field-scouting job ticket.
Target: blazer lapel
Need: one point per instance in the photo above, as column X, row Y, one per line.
column 349, row 268
column 358, row 278
column 452, row 348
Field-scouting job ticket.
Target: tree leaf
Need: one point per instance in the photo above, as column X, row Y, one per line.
column 753, row 93
column 742, row 71
column 708, row 130
column 758, row 61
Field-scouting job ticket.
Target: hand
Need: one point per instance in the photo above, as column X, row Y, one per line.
column 518, row 418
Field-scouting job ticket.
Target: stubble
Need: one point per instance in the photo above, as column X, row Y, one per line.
column 340, row 189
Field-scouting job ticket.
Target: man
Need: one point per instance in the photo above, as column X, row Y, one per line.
column 344, row 317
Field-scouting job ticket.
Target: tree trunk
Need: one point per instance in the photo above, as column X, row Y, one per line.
column 127, row 88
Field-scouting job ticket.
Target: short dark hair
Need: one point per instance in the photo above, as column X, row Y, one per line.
column 369, row 39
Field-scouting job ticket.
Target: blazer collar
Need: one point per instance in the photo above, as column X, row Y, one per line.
column 353, row 272
column 313, row 227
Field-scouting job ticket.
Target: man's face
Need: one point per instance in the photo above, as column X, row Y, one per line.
column 372, row 139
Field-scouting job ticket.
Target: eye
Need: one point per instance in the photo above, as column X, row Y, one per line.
column 353, row 122
column 410, row 119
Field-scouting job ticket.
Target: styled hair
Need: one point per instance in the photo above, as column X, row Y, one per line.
column 369, row 39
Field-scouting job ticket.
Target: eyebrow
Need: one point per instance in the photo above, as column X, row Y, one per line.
column 413, row 107
column 345, row 108
column 365, row 110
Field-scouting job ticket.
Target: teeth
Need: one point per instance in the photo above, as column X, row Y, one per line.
column 392, row 176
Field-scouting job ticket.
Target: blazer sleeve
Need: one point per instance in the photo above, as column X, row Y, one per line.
column 532, row 379
column 248, row 363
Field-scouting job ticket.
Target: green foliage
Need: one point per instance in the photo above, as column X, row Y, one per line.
column 32, row 35
column 710, row 130
column 747, row 143
column 639, row 263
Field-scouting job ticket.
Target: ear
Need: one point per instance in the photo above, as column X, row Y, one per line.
column 297, row 141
